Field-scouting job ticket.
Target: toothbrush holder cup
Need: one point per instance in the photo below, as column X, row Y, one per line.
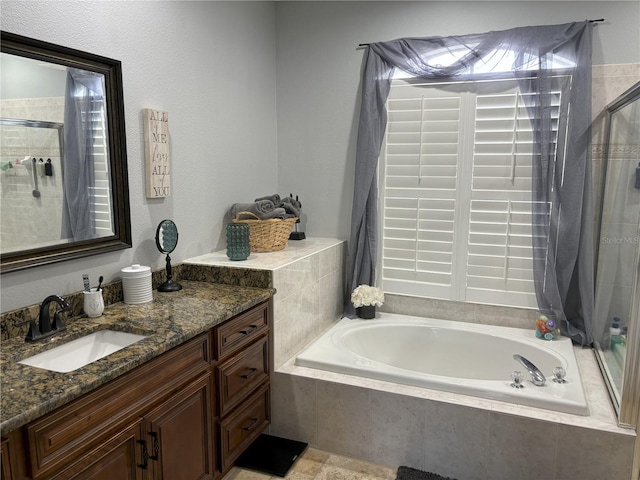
column 93, row 303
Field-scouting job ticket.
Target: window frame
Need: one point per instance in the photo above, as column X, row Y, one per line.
column 468, row 92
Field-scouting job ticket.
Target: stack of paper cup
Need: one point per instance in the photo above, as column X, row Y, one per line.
column 136, row 284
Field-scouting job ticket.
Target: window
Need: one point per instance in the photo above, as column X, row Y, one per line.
column 456, row 191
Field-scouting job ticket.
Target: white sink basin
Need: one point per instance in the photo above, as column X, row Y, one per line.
column 82, row 351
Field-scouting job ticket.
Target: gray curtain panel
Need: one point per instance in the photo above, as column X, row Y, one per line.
column 561, row 198
column 84, row 95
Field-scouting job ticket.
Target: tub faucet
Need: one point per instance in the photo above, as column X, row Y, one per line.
column 537, row 377
column 45, row 327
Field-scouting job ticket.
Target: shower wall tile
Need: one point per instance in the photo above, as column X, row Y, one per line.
column 29, row 220
column 609, row 81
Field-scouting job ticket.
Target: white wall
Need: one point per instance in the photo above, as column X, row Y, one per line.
column 319, row 76
column 211, row 65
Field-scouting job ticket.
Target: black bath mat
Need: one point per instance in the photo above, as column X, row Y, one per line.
column 408, row 473
column 271, row 455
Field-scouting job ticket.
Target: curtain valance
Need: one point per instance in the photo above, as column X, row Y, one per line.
column 561, row 189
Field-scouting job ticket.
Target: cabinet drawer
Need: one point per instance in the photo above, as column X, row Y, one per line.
column 232, row 335
column 241, row 427
column 239, row 375
column 80, row 425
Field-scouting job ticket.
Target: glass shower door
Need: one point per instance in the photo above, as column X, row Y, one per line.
column 616, row 304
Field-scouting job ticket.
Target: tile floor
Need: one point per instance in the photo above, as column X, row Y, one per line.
column 319, row 465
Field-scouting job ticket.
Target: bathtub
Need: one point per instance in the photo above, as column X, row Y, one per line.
column 465, row 358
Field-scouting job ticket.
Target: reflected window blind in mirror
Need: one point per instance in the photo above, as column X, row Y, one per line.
column 102, row 206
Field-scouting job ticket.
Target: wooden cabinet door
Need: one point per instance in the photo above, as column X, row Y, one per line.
column 5, row 463
column 179, row 433
column 122, row 457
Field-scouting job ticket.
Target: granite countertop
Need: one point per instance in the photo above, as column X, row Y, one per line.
column 171, row 319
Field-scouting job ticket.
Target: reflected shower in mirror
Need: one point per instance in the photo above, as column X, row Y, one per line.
column 64, row 108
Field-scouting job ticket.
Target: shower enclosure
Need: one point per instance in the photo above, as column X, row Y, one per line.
column 617, row 301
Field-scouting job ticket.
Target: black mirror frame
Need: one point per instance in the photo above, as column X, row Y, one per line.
column 112, row 70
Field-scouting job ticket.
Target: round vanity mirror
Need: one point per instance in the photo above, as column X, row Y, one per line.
column 167, row 236
column 166, row 241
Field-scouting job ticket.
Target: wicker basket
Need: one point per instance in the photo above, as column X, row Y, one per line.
column 267, row 235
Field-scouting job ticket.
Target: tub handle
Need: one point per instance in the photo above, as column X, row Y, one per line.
column 537, row 377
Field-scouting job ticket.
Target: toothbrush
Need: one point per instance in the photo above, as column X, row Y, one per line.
column 85, row 280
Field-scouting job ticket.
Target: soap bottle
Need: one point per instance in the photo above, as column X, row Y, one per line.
column 615, row 332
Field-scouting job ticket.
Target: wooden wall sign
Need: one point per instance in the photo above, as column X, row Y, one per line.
column 156, row 153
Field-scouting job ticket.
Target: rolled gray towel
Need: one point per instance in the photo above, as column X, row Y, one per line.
column 275, row 198
column 292, row 206
column 262, row 207
column 263, row 213
column 290, row 209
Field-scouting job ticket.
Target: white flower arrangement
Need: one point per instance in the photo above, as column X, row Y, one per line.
column 364, row 295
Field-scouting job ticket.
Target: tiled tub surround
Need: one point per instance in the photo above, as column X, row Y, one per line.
column 451, row 434
column 308, row 276
column 168, row 321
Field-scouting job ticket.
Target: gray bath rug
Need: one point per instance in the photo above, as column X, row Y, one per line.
column 408, row 473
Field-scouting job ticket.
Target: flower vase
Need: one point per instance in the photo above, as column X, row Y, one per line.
column 366, row 311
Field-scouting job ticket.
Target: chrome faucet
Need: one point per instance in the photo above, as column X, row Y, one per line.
column 537, row 377
column 45, row 327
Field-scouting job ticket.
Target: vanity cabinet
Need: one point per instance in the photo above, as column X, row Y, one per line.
column 179, row 434
column 241, row 348
column 162, row 398
column 13, row 464
column 115, row 458
column 184, row 415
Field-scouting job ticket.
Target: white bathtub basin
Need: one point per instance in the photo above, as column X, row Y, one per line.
column 82, row 351
column 457, row 357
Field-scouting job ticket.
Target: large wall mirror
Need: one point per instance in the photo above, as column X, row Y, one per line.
column 63, row 162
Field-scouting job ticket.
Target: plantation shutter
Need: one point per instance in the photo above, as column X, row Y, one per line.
column 421, row 159
column 457, row 193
